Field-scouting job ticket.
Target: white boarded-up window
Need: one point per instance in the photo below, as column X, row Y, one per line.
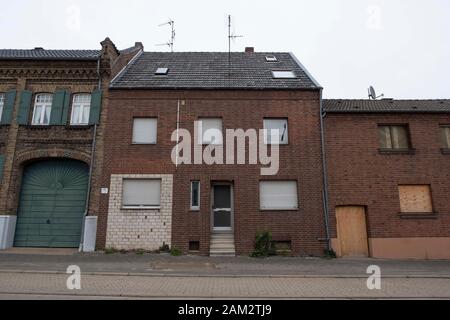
column 145, row 130
column 278, row 195
column 141, row 193
column 211, row 132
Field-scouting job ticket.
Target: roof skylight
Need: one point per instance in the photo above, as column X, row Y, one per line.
column 162, row 71
column 271, row 59
column 285, row 74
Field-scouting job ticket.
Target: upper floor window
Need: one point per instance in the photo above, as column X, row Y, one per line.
column 42, row 109
column 81, row 108
column 445, row 134
column 395, row 137
column 276, row 131
column 145, row 130
column 211, row 131
column 2, row 103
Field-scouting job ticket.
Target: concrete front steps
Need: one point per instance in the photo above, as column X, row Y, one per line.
column 222, row 245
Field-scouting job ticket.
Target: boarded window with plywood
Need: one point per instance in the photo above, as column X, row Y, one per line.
column 415, row 199
column 394, row 137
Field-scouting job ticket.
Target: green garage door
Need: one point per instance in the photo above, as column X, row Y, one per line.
column 52, row 204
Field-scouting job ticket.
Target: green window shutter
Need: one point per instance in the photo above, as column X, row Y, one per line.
column 65, row 112
column 2, row 163
column 57, row 107
column 8, row 107
column 96, row 105
column 24, row 107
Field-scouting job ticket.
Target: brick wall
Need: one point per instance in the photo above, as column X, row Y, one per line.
column 300, row 160
column 360, row 175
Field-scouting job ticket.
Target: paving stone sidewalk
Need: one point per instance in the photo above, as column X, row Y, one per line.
column 101, row 286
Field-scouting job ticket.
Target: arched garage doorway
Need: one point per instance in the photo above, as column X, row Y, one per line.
column 52, row 204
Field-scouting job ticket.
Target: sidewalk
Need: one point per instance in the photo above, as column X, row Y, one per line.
column 33, row 285
column 166, row 265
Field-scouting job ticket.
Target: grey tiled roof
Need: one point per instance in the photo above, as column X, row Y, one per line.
column 210, row 70
column 386, row 106
column 41, row 54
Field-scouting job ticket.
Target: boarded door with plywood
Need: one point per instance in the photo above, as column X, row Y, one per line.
column 352, row 231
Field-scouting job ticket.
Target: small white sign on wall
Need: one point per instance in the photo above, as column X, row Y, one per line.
column 105, row 191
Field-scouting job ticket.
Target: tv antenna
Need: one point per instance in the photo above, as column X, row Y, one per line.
column 373, row 94
column 231, row 37
column 171, row 23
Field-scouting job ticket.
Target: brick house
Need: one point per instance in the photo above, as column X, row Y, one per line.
column 211, row 209
column 389, row 177
column 52, row 111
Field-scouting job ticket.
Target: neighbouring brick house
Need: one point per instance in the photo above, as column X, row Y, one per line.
column 211, row 209
column 389, row 177
column 52, row 108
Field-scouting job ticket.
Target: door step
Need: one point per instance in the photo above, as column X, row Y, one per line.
column 222, row 245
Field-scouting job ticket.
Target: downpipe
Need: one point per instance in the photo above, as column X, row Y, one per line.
column 325, row 173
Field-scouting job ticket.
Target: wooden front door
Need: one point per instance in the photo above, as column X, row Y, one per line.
column 352, row 231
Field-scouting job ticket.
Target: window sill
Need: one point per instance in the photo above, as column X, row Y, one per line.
column 78, row 126
column 278, row 210
column 143, row 144
column 141, row 208
column 419, row 215
column 38, row 126
column 445, row 151
column 194, row 210
column 397, row 151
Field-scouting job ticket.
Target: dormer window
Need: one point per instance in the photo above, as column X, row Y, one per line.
column 286, row 74
column 162, row 71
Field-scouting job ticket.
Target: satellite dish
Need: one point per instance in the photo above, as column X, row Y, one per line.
column 373, row 94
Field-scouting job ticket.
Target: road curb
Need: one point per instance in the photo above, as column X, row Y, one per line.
column 190, row 275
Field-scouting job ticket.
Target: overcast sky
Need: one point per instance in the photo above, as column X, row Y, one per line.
column 402, row 47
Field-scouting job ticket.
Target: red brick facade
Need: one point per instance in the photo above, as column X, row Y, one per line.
column 359, row 175
column 300, row 160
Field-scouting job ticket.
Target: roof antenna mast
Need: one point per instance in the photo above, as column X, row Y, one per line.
column 171, row 23
column 231, row 36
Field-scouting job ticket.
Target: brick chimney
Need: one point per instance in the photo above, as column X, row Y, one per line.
column 249, row 50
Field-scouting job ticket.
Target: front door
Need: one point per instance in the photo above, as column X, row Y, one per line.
column 352, row 231
column 222, row 207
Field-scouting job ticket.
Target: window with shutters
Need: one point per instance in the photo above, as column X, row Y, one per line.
column 415, row 199
column 278, row 195
column 145, row 130
column 81, row 109
column 42, row 109
column 276, row 131
column 445, row 136
column 394, row 137
column 2, row 103
column 141, row 194
column 211, row 131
